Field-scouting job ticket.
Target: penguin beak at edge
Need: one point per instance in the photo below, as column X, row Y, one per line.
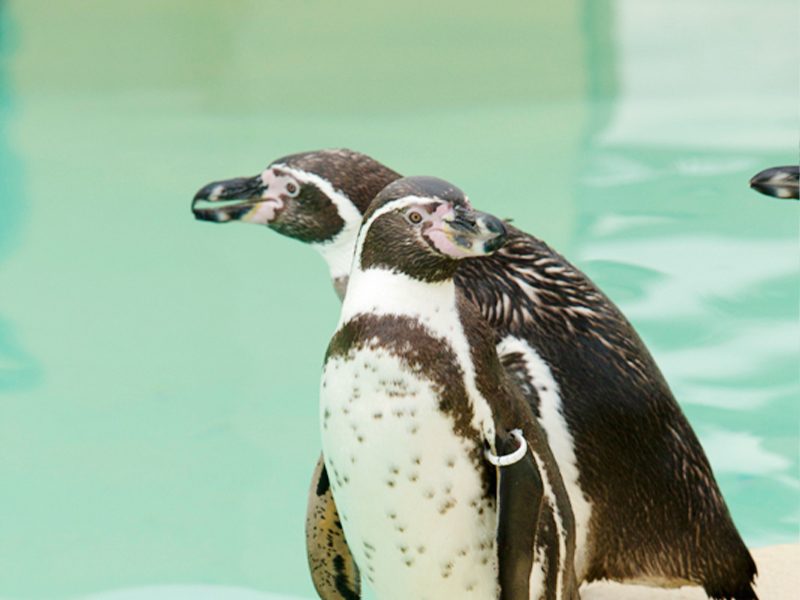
column 229, row 200
column 465, row 232
column 780, row 182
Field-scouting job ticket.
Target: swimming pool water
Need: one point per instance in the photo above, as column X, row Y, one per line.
column 158, row 376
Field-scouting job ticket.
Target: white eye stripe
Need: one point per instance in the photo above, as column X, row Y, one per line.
column 345, row 207
column 279, row 183
column 338, row 252
column 405, row 202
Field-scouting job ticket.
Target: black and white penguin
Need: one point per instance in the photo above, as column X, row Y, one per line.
column 303, row 196
column 414, row 404
column 780, row 182
column 647, row 507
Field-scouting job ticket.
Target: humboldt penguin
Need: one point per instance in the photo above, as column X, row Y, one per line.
column 647, row 507
column 314, row 198
column 780, row 182
column 443, row 478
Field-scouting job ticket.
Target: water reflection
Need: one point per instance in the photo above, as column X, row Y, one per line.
column 187, row 592
column 742, row 453
column 706, row 271
column 10, row 166
column 18, row 369
column 697, row 271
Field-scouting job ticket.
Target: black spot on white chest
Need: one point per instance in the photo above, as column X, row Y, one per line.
column 414, row 508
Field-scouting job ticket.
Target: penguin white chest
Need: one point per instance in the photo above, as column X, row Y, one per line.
column 408, row 491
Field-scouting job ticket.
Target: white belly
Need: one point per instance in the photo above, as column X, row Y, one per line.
column 409, row 496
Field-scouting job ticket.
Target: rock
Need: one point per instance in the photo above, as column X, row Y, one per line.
column 778, row 579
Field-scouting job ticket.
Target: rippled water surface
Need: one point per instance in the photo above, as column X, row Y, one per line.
column 158, row 376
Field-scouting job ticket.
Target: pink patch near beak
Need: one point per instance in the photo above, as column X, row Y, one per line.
column 437, row 233
column 276, row 184
column 264, row 212
column 443, row 244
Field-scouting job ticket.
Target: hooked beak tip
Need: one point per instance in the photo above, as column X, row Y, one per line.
column 228, row 200
column 210, row 192
column 780, row 182
column 206, row 214
column 494, row 226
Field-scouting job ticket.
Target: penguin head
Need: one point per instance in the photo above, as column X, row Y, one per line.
column 423, row 227
column 315, row 197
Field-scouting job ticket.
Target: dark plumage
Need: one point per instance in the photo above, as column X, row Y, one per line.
column 337, row 166
column 657, row 510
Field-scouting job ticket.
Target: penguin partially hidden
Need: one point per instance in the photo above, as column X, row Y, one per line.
column 415, row 408
column 646, row 505
column 780, row 182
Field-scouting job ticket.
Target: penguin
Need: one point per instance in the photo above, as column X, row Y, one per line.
column 301, row 196
column 780, row 182
column 443, row 478
column 646, row 506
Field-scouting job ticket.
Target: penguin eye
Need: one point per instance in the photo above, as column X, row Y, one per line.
column 292, row 189
column 415, row 217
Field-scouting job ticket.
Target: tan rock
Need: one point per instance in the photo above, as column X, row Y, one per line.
column 778, row 579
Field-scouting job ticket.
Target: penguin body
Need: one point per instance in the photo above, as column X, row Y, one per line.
column 406, row 487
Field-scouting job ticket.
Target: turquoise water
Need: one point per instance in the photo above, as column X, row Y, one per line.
column 158, row 376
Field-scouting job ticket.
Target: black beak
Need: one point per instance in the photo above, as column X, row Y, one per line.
column 235, row 197
column 469, row 225
column 494, row 226
column 780, row 182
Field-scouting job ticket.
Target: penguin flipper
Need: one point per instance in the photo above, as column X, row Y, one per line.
column 520, row 495
column 333, row 570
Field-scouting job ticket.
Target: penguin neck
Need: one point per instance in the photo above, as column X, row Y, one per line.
column 338, row 250
column 338, row 255
column 434, row 305
column 382, row 291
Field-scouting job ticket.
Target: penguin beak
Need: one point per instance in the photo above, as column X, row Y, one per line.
column 780, row 182
column 228, row 200
column 465, row 232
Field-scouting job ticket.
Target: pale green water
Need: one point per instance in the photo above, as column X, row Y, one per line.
column 158, row 376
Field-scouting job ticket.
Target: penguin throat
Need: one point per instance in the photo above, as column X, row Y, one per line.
column 384, row 291
column 338, row 253
column 434, row 305
column 340, row 286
